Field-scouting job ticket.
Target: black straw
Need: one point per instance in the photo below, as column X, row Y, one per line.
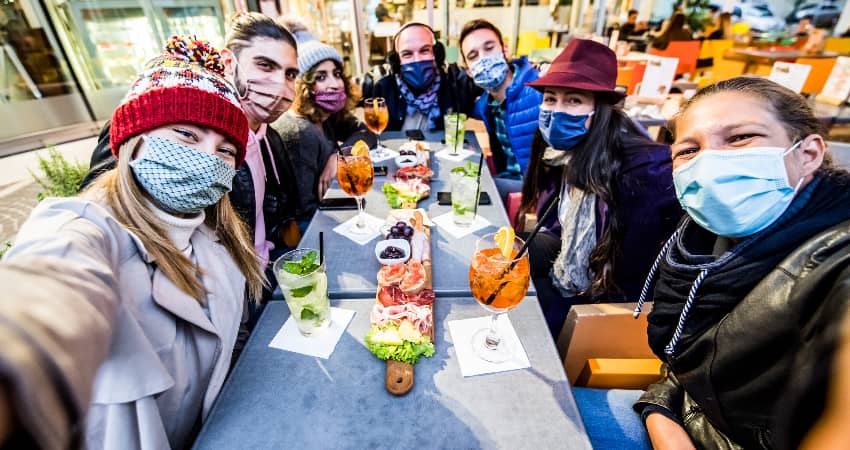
column 321, row 247
column 522, row 250
column 478, row 186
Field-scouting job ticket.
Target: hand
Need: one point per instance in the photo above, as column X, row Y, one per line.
column 666, row 434
column 327, row 176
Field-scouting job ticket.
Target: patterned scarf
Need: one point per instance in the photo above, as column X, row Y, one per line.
column 577, row 213
column 426, row 103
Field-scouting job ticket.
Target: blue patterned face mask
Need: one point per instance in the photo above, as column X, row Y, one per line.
column 736, row 193
column 490, row 71
column 180, row 178
column 419, row 74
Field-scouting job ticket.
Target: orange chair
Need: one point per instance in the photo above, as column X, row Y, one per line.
column 637, row 77
column 624, row 76
column 837, row 44
column 821, row 68
column 686, row 51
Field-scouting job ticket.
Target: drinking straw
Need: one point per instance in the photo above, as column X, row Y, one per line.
column 478, row 185
column 321, row 247
column 522, row 250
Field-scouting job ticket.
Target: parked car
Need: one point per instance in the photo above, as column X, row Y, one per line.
column 759, row 16
column 822, row 15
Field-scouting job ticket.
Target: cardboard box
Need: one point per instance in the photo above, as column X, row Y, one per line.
column 602, row 330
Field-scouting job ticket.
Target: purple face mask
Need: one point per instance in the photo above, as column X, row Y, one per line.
column 331, row 101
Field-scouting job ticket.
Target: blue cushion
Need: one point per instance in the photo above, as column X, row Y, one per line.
column 610, row 421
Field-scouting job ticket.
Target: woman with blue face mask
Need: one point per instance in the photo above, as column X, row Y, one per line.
column 161, row 255
column 616, row 204
column 754, row 276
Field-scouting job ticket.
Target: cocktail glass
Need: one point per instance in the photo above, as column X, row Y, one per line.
column 355, row 175
column 455, row 129
column 499, row 284
column 464, row 197
column 305, row 287
column 376, row 116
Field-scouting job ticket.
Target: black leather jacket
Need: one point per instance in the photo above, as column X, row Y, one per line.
column 745, row 361
column 278, row 204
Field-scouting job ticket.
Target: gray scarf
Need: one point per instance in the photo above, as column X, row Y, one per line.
column 577, row 214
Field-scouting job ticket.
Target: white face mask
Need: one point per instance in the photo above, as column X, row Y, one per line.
column 736, row 193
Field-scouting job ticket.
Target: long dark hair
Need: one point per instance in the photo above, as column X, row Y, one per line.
column 594, row 167
column 305, row 101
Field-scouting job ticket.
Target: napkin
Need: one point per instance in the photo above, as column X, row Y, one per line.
column 388, row 154
column 446, row 223
column 321, row 344
column 470, row 364
column 373, row 225
column 447, row 155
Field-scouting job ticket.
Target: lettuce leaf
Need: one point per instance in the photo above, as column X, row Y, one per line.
column 408, row 352
column 396, row 199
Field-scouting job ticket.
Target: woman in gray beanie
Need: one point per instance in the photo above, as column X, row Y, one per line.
column 320, row 118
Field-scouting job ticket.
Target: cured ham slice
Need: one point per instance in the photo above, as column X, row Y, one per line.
column 419, row 316
column 425, row 297
column 391, row 295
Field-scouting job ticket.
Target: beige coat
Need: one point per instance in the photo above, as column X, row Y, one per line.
column 164, row 344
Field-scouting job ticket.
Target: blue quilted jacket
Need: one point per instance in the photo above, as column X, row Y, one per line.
column 523, row 107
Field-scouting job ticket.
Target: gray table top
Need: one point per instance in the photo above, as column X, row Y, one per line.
column 352, row 268
column 279, row 399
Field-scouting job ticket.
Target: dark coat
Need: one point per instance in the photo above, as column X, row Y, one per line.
column 278, row 205
column 457, row 92
column 647, row 211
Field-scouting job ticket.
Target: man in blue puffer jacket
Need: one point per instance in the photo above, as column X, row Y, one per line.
column 509, row 108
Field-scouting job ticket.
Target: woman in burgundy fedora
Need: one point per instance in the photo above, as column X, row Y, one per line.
column 617, row 204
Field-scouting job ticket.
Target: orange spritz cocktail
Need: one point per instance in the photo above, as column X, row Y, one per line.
column 499, row 275
column 355, row 175
column 376, row 116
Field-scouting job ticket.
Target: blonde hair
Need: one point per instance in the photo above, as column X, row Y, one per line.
column 118, row 190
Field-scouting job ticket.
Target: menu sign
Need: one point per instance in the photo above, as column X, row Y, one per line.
column 791, row 75
column 837, row 87
column 658, row 78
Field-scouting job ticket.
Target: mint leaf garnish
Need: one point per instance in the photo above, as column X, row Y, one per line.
column 309, row 259
column 302, row 291
column 292, row 267
column 308, row 314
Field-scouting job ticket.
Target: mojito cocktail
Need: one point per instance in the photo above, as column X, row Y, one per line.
column 464, row 196
column 455, row 126
column 304, row 284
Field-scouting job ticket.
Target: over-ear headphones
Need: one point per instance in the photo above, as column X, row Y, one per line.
column 394, row 59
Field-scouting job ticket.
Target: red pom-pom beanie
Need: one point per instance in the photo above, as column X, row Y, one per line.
column 184, row 85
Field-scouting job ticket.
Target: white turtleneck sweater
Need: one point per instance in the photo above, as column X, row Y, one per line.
column 179, row 229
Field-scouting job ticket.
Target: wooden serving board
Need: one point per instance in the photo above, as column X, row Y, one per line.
column 400, row 375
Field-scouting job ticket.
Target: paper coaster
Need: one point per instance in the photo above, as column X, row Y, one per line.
column 388, row 154
column 461, row 154
column 470, row 364
column 373, row 224
column 321, row 344
column 446, row 223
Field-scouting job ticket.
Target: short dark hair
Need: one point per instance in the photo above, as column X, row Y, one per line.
column 633, row 12
column 246, row 26
column 478, row 24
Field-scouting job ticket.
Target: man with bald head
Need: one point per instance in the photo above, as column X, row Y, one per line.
column 421, row 88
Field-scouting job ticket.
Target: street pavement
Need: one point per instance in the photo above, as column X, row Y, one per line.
column 18, row 189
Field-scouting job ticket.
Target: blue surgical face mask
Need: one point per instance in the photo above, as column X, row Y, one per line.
column 490, row 71
column 735, row 193
column 562, row 131
column 180, row 178
column 419, row 75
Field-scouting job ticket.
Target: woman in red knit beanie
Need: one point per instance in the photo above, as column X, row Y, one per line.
column 160, row 253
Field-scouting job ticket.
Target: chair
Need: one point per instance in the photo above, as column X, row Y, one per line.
column 722, row 68
column 686, row 51
column 624, row 76
column 837, row 44
column 514, row 202
column 637, row 77
column 821, row 68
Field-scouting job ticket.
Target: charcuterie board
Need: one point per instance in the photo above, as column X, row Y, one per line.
column 402, row 317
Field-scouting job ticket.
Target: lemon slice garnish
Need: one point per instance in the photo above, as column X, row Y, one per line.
column 505, row 241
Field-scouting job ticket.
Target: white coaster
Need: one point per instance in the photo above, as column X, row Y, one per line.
column 447, row 155
column 388, row 154
column 373, row 225
column 470, row 364
column 321, row 344
column 446, row 223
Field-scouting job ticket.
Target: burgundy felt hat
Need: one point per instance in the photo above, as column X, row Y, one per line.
column 586, row 65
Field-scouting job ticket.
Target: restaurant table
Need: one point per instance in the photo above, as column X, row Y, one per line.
column 352, row 268
column 754, row 56
column 279, row 399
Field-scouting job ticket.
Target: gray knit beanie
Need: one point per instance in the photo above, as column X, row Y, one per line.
column 312, row 52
